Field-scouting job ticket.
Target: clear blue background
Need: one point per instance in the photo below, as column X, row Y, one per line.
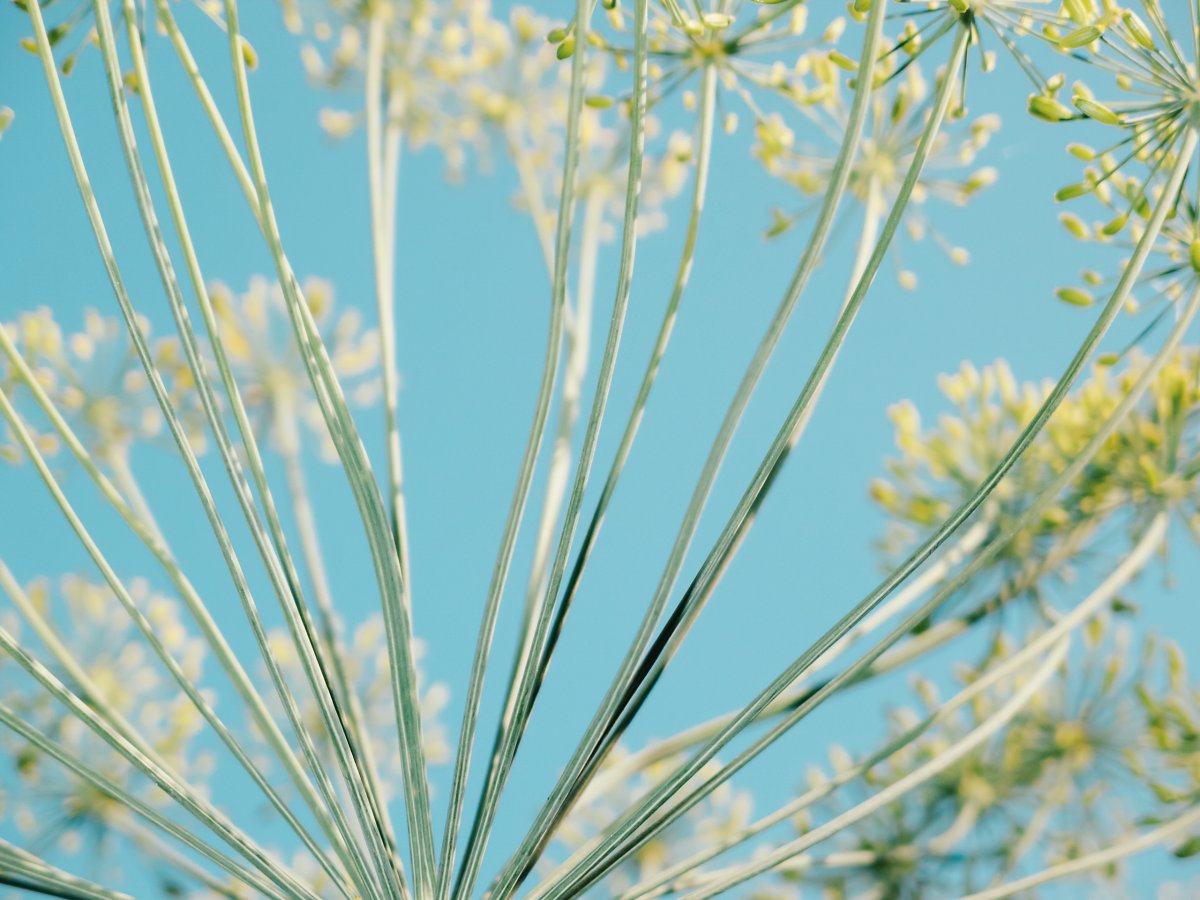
column 472, row 304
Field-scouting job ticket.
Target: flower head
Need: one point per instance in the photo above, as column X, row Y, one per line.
column 368, row 673
column 721, row 814
column 94, row 377
column 54, row 806
column 899, row 113
column 256, row 330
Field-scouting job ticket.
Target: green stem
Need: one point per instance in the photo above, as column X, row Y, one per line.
column 384, row 553
column 473, row 854
column 285, row 590
column 653, row 803
column 567, row 784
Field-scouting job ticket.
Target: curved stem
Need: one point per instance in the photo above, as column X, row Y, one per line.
column 1172, row 830
column 473, row 853
column 384, row 554
column 652, row 804
column 1148, row 544
column 569, row 783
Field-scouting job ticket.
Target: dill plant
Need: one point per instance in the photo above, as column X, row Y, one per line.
column 1022, row 519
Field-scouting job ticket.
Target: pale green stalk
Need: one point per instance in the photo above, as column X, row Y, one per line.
column 384, row 143
column 187, row 592
column 297, row 620
column 127, row 484
column 1148, row 544
column 692, row 603
column 66, row 658
column 124, row 731
column 1175, row 829
column 576, row 344
column 567, row 785
column 12, row 720
column 50, row 70
column 523, row 686
column 384, row 553
column 653, row 802
column 558, row 298
column 342, row 841
column 705, row 117
column 23, row 870
column 939, row 763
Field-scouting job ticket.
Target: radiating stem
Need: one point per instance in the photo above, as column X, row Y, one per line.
column 568, row 784
column 384, row 553
column 472, row 856
column 653, row 803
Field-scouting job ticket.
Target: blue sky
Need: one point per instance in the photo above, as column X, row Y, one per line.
column 471, row 316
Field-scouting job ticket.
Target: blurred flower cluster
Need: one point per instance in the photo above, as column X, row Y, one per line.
column 367, row 674
column 1066, row 777
column 1150, row 462
column 57, row 811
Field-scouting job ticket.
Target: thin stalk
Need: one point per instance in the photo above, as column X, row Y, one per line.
column 522, row 690
column 1141, row 554
column 939, row 763
column 46, row 54
column 565, row 788
column 697, row 734
column 187, row 592
column 108, row 721
column 46, row 632
column 127, row 484
column 1172, row 830
column 384, row 554
column 23, row 870
column 652, row 803
column 706, row 115
column 694, row 599
column 17, row 724
column 283, row 590
column 576, row 344
column 340, row 840
column 472, row 855
column 384, row 141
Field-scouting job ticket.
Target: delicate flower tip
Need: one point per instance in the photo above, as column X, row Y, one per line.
column 337, row 123
column 6, row 118
column 1194, row 254
column 780, row 222
column 717, row 21
column 1108, row 360
column 1138, row 30
column 962, row 7
column 842, row 61
column 908, row 280
column 249, row 54
column 598, row 101
column 1074, row 296
column 1097, row 111
column 1081, row 151
column 556, row 35
column 1074, row 224
column 1080, row 37
column 1049, row 109
column 1115, row 226
column 1071, row 191
column 566, row 49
